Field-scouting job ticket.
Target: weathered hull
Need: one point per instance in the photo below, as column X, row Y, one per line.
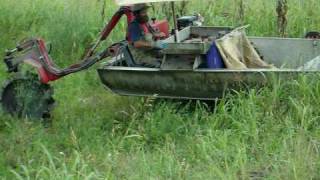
column 181, row 84
column 286, row 54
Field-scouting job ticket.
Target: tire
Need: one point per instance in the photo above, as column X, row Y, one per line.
column 24, row 96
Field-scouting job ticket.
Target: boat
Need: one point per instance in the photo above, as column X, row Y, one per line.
column 181, row 75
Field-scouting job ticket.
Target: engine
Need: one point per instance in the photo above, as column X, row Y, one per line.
column 186, row 21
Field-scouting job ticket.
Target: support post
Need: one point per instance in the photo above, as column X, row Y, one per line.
column 282, row 20
column 176, row 38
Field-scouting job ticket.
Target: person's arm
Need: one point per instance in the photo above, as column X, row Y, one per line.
column 138, row 41
column 136, row 37
column 160, row 35
column 151, row 45
column 142, row 44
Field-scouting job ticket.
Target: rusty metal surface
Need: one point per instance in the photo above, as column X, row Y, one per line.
column 187, row 48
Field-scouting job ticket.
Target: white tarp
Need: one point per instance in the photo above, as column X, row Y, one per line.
column 129, row 2
column 238, row 53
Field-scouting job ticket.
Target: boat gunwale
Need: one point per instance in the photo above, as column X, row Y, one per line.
column 143, row 69
column 280, row 38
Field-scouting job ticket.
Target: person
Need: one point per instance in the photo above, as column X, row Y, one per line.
column 313, row 35
column 144, row 42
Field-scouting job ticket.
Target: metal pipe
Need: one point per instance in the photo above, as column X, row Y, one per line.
column 175, row 22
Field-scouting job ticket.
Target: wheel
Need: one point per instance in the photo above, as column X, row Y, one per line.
column 24, row 96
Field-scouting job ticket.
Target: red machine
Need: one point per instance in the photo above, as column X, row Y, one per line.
column 35, row 53
column 161, row 26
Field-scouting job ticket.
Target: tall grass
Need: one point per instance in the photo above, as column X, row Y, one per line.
column 272, row 132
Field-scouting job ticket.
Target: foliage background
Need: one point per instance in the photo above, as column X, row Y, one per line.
column 272, row 133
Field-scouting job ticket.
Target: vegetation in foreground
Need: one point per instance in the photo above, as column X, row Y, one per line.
column 271, row 133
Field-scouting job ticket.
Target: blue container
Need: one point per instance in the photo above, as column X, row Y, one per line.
column 214, row 59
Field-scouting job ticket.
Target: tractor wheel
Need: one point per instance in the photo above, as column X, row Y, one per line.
column 24, row 96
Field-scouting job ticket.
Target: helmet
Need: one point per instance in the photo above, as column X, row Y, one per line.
column 140, row 7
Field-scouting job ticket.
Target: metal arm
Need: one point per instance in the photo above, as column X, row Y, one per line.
column 110, row 26
column 35, row 53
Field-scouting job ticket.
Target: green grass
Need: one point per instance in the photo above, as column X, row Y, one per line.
column 273, row 132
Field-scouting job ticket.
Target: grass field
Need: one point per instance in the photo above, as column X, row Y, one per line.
column 272, row 133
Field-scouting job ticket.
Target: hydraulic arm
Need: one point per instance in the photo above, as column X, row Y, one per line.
column 35, row 53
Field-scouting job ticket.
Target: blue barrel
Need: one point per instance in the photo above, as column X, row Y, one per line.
column 214, row 59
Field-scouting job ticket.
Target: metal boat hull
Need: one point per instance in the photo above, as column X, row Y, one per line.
column 179, row 84
column 208, row 84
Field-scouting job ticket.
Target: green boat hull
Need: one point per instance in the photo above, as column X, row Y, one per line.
column 199, row 84
column 208, row 84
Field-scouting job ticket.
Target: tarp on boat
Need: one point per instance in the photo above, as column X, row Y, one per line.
column 238, row 53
